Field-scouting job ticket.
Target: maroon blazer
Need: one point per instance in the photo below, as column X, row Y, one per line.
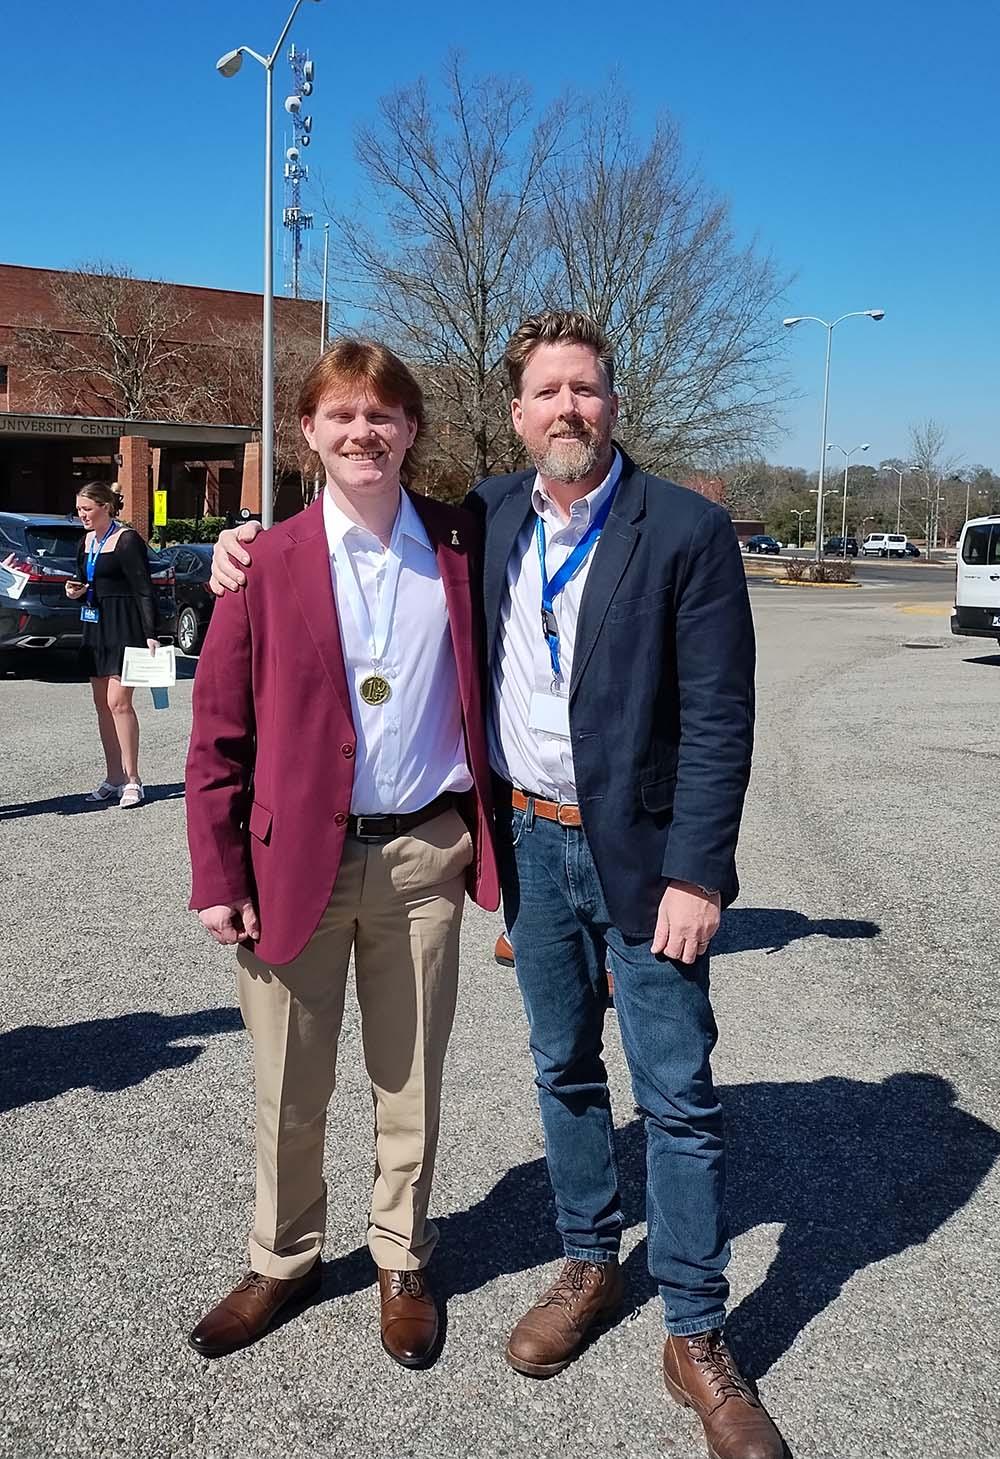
column 270, row 768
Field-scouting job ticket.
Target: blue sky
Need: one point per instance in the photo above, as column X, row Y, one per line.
column 859, row 143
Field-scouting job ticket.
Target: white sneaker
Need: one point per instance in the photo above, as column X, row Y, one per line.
column 107, row 790
column 132, row 794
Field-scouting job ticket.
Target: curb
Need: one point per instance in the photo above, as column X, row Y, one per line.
column 789, row 583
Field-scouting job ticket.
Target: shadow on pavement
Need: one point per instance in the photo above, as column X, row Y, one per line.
column 855, row 1172
column 42, row 666
column 991, row 660
column 105, row 1054
column 747, row 929
column 79, row 805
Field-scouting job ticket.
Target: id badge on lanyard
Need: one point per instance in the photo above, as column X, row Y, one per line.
column 90, row 613
column 549, row 713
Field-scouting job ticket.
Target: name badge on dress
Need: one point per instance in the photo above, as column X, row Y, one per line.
column 90, row 615
column 549, row 713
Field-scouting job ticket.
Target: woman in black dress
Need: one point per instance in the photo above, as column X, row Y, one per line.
column 117, row 611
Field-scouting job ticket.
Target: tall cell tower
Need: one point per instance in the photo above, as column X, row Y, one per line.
column 295, row 221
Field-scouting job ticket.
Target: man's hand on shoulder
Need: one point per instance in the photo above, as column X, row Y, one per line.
column 228, row 555
column 236, row 923
column 686, row 922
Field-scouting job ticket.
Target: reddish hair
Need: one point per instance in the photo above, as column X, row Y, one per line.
column 353, row 364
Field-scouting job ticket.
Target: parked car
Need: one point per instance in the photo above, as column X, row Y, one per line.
column 38, row 555
column 977, row 588
column 884, row 544
column 911, row 549
column 760, row 542
column 835, row 546
column 192, row 565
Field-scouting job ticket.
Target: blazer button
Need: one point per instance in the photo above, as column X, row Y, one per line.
column 340, row 819
column 347, row 750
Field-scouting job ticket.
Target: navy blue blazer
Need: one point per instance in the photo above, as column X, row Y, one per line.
column 661, row 701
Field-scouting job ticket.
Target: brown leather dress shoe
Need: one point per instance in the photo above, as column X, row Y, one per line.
column 248, row 1311
column 549, row 1336
column 410, row 1323
column 701, row 1373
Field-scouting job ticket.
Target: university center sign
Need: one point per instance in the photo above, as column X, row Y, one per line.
column 61, row 426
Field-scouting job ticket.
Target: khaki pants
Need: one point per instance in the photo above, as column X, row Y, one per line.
column 399, row 905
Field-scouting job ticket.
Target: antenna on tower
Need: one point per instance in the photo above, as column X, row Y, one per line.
column 294, row 220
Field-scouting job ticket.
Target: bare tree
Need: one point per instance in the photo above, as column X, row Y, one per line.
column 119, row 349
column 461, row 187
column 641, row 245
column 927, row 452
column 490, row 214
column 231, row 366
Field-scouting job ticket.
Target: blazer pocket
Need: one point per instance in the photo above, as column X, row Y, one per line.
column 623, row 610
column 658, row 795
column 260, row 822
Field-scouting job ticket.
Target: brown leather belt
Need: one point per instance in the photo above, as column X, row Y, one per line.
column 385, row 828
column 549, row 810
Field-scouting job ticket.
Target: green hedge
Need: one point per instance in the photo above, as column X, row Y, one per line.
column 190, row 529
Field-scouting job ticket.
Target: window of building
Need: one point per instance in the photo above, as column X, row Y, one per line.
column 3, row 379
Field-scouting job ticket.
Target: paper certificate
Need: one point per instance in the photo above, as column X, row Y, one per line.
column 144, row 670
column 12, row 580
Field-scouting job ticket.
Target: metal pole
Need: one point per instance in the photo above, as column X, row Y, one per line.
column 326, row 266
column 822, row 450
column 899, row 501
column 843, row 518
column 267, row 360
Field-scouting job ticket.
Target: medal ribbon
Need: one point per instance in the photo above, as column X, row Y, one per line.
column 552, row 587
column 377, row 633
column 93, row 551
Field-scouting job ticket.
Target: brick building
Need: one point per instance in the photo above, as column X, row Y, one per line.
column 207, row 466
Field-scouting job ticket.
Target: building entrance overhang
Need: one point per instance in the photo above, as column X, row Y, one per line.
column 91, row 428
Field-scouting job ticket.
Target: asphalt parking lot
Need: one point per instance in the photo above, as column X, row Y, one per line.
column 856, row 992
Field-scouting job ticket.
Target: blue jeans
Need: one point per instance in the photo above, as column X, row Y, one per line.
column 559, row 927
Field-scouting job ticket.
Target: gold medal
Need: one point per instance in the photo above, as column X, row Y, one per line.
column 375, row 690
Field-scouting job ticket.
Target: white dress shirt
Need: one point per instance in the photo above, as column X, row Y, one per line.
column 535, row 760
column 411, row 748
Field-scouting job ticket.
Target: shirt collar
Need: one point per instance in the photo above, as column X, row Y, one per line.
column 583, row 511
column 338, row 524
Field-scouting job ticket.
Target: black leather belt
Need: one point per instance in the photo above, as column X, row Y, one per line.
column 385, row 828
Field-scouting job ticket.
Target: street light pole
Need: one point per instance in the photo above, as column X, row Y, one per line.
column 326, row 272
column 228, row 65
column 899, row 495
column 796, row 513
column 790, row 323
column 847, row 462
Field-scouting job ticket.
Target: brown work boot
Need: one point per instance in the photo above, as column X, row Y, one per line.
column 550, row 1334
column 503, row 953
column 249, row 1310
column 409, row 1316
column 701, row 1373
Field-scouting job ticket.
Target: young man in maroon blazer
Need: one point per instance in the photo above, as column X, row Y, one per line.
column 338, row 793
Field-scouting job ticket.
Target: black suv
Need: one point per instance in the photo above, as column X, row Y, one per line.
column 835, row 546
column 192, row 565
column 37, row 556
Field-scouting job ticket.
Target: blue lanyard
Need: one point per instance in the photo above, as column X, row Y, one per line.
column 92, row 554
column 552, row 587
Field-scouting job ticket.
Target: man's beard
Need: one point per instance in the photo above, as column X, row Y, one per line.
column 571, row 456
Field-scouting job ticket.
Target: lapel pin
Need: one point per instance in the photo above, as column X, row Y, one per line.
column 454, row 537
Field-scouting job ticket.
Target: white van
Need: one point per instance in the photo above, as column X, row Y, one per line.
column 884, row 544
column 977, row 588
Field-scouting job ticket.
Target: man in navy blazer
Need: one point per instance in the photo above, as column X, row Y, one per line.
column 621, row 653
